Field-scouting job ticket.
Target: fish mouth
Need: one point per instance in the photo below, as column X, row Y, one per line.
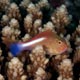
column 64, row 50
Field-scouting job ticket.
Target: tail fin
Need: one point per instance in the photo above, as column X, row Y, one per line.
column 15, row 49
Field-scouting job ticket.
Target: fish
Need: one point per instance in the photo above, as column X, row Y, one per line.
column 50, row 40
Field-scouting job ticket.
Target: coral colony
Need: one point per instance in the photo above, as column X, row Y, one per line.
column 39, row 40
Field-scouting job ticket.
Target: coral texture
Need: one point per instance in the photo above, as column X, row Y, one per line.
column 21, row 20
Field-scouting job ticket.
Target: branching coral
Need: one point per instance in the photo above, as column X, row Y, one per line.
column 1, row 58
column 32, row 8
column 25, row 3
column 49, row 25
column 1, row 77
column 28, row 21
column 37, row 23
column 38, row 57
column 42, row 75
column 7, row 31
column 10, row 33
column 76, row 57
column 42, row 3
column 35, row 11
column 67, row 39
column 15, row 69
column 4, row 20
column 24, row 21
column 14, row 23
column 38, row 60
column 7, row 34
column 60, row 19
column 76, row 36
column 4, row 4
column 32, row 26
column 65, row 70
column 13, row 11
column 55, row 62
column 26, row 37
column 24, row 77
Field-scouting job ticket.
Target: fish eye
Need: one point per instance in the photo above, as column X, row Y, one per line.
column 59, row 42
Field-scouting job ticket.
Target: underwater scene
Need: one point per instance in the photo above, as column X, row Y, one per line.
column 39, row 39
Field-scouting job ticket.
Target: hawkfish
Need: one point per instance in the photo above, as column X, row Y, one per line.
column 50, row 40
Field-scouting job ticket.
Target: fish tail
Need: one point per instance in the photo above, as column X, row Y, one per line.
column 15, row 49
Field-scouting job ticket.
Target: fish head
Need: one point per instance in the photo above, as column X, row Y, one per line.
column 59, row 46
column 52, row 42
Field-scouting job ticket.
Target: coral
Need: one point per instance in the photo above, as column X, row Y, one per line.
column 28, row 20
column 65, row 70
column 7, row 31
column 1, row 58
column 35, row 11
column 25, row 3
column 14, row 23
column 60, row 18
column 26, row 37
column 42, row 75
column 10, row 56
column 19, row 22
column 38, row 59
column 13, row 11
column 42, row 3
column 4, row 20
column 49, row 25
column 10, row 33
column 55, row 62
column 77, row 41
column 1, row 77
column 76, row 57
column 76, row 36
column 0, row 52
column 67, row 39
column 32, row 9
column 37, row 24
column 24, row 77
column 15, row 69
column 4, row 4
column 30, row 26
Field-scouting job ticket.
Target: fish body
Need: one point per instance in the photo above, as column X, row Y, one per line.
column 50, row 40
